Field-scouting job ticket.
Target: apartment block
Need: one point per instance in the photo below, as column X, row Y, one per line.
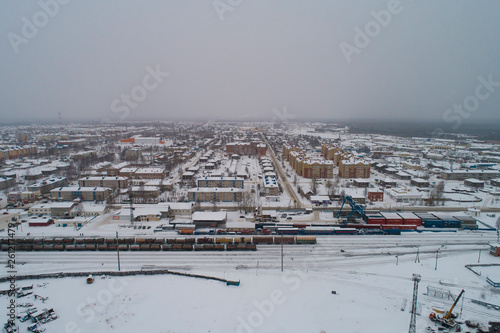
column 111, row 182
column 84, row 193
column 354, row 168
column 209, row 194
column 235, row 182
column 246, row 148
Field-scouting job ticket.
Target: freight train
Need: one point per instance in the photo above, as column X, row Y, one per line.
column 149, row 244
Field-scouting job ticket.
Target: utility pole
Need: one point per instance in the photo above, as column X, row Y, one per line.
column 437, row 253
column 479, row 258
column 417, row 258
column 118, row 251
column 413, row 325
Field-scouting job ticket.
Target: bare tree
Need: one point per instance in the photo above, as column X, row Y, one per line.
column 314, row 186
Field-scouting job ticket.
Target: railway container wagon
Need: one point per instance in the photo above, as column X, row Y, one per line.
column 392, row 218
column 363, row 226
column 375, row 219
column 224, row 240
column 411, row 219
column 240, row 240
column 288, row 231
column 306, row 240
column 318, row 231
column 346, row 231
column 155, row 247
column 144, row 247
column 263, row 239
column 285, row 239
column 205, row 240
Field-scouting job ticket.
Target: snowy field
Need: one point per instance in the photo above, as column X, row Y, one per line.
column 370, row 283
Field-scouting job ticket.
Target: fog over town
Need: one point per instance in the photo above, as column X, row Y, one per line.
column 249, row 166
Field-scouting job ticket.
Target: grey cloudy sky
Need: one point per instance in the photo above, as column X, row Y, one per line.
column 239, row 59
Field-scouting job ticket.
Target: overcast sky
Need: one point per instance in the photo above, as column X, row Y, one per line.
column 240, row 59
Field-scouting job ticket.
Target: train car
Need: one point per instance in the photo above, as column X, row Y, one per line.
column 205, row 240
column 306, row 240
column 393, row 231
column 69, row 247
column 375, row 219
column 187, row 247
column 135, row 247
column 346, row 231
column 25, row 247
column 110, row 240
column 185, row 231
column 144, row 247
column 68, row 240
column 263, row 239
column 140, row 240
column 240, row 240
column 219, row 247
column 378, row 231
column 392, row 218
column 113, row 247
column 363, row 226
column 40, row 240
column 288, row 231
column 80, row 247
column 208, row 247
column 58, row 247
column 122, row 247
column 190, row 240
column 155, row 247
column 231, row 247
column 166, row 247
column 199, row 247
column 38, row 247
column 410, row 219
column 251, row 247
column 301, row 225
column 159, row 240
column 102, row 247
column 285, row 239
column 224, row 240
column 265, row 232
column 90, row 247
column 318, row 231
column 48, row 240
column 79, row 240
column 58, row 240
column 127, row 240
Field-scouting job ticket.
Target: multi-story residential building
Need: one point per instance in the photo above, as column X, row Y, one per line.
column 354, row 168
column 271, row 186
column 465, row 174
column 111, row 182
column 6, row 182
column 83, row 193
column 210, row 194
column 150, row 173
column 14, row 152
column 221, row 182
column 317, row 168
column 45, row 186
column 246, row 148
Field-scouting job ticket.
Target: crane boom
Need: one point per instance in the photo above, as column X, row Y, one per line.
column 448, row 315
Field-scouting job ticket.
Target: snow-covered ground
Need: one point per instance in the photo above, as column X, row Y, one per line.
column 369, row 281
